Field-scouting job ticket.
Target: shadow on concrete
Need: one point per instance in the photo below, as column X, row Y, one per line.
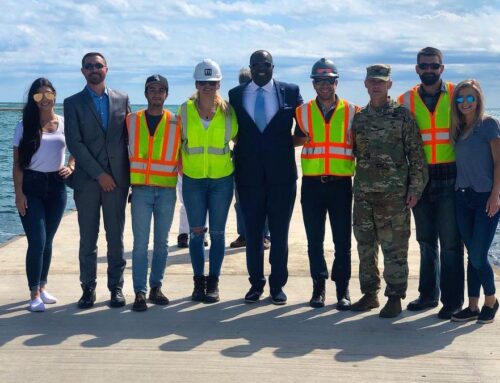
column 292, row 331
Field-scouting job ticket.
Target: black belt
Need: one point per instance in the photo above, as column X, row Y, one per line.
column 327, row 179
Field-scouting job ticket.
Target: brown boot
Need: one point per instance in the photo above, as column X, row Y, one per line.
column 367, row 302
column 392, row 308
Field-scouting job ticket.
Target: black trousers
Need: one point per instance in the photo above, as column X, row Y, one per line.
column 276, row 202
column 333, row 197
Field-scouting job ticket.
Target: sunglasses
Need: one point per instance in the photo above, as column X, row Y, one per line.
column 325, row 81
column 470, row 99
column 48, row 95
column 209, row 83
column 433, row 66
column 90, row 66
column 264, row 64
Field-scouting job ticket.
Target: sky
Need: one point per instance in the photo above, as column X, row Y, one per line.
column 138, row 38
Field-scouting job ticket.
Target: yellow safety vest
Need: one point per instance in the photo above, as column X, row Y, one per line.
column 153, row 159
column 329, row 148
column 434, row 127
column 205, row 152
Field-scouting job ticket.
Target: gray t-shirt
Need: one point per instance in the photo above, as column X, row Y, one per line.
column 474, row 158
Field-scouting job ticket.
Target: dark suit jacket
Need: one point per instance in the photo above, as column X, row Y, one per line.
column 268, row 157
column 96, row 151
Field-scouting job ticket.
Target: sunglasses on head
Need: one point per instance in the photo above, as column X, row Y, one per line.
column 433, row 66
column 209, row 83
column 48, row 95
column 90, row 66
column 325, row 81
column 470, row 99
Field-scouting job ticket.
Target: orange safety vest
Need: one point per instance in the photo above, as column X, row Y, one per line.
column 153, row 159
column 434, row 127
column 328, row 150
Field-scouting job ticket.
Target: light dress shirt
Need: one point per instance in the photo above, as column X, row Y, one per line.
column 270, row 97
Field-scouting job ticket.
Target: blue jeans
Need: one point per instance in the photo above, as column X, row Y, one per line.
column 46, row 196
column 202, row 196
column 335, row 199
column 147, row 202
column 435, row 220
column 477, row 230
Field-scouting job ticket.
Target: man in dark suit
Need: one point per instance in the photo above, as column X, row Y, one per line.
column 96, row 136
column 266, row 173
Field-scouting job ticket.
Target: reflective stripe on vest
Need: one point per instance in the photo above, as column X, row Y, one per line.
column 153, row 159
column 329, row 147
column 206, row 152
column 434, row 127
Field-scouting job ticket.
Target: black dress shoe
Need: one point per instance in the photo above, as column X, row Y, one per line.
column 117, row 298
column 278, row 297
column 422, row 303
column 447, row 312
column 253, row 295
column 88, row 298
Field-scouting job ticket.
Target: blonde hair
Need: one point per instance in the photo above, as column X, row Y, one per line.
column 219, row 102
column 458, row 124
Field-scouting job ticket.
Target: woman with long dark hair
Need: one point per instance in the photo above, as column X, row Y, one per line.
column 476, row 137
column 39, row 173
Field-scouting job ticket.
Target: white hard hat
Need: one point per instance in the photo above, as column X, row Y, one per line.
column 207, row 70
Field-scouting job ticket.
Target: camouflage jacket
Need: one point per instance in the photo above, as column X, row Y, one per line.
column 389, row 151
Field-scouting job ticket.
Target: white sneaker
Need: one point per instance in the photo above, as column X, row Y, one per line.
column 47, row 298
column 37, row 305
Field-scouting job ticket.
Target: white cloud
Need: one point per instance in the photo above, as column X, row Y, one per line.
column 155, row 33
column 140, row 37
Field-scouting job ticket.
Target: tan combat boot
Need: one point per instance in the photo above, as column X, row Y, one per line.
column 392, row 308
column 367, row 302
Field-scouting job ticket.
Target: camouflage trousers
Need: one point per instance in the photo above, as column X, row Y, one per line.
column 385, row 220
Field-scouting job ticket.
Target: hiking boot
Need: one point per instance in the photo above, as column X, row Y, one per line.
column 367, row 302
column 156, row 296
column 199, row 289
column 392, row 308
column 318, row 295
column 212, row 293
column 343, row 298
column 140, row 302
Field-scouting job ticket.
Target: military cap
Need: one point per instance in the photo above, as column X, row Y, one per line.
column 379, row 71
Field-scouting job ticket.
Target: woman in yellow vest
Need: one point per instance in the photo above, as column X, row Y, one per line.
column 208, row 123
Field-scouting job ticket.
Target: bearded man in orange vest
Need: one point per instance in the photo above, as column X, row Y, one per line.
column 154, row 139
column 441, row 268
column 327, row 167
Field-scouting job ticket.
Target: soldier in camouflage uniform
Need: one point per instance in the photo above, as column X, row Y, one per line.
column 391, row 174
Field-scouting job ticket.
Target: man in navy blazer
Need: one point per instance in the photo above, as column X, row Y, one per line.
column 265, row 172
column 96, row 136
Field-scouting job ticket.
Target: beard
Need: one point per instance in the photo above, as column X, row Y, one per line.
column 95, row 78
column 429, row 78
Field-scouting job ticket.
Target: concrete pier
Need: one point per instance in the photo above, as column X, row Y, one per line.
column 228, row 341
